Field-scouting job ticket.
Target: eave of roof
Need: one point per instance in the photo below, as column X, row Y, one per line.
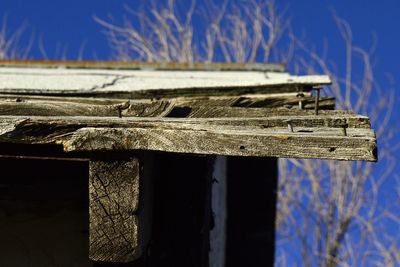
column 200, row 108
column 151, row 83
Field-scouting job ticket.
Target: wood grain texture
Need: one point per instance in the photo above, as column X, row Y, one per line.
column 113, row 201
column 83, row 100
column 312, row 137
column 139, row 84
column 360, row 144
column 227, row 91
column 60, row 108
column 242, row 112
column 23, row 128
column 258, row 101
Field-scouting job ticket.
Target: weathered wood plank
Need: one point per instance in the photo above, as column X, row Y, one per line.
column 176, row 84
column 47, row 130
column 307, row 102
column 49, row 127
column 113, row 201
column 255, row 102
column 139, row 84
column 111, row 101
column 240, row 136
column 78, row 100
column 60, row 108
column 241, row 112
column 194, row 91
column 359, row 144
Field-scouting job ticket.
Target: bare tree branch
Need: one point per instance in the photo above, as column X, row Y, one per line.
column 10, row 43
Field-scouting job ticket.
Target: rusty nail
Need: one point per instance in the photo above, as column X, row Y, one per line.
column 300, row 96
column 317, row 92
column 344, row 128
column 121, row 107
column 290, row 125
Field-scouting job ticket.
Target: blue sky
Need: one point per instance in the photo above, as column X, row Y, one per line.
column 71, row 23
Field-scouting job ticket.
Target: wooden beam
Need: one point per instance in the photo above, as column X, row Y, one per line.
column 258, row 101
column 145, row 84
column 241, row 112
column 60, row 108
column 57, row 106
column 34, row 127
column 360, row 144
column 83, row 100
column 48, row 129
column 312, row 136
column 197, row 91
column 113, row 202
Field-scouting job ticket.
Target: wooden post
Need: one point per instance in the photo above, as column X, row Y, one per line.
column 113, row 202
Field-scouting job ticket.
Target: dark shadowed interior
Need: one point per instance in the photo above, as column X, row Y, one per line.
column 44, row 212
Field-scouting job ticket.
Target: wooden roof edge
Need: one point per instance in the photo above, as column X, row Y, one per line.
column 194, row 136
column 222, row 142
column 327, row 120
column 136, row 65
column 193, row 107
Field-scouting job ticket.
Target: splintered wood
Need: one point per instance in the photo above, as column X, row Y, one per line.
column 113, row 202
column 309, row 137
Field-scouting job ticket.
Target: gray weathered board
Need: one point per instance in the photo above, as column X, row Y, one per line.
column 114, row 198
column 150, row 83
column 88, row 109
column 319, row 136
column 24, row 105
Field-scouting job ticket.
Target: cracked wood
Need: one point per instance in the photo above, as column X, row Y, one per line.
column 241, row 112
column 35, row 129
column 113, row 202
column 360, row 144
column 59, row 106
column 263, row 101
column 139, row 84
column 313, row 136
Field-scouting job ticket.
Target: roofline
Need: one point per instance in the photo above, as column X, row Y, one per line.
column 135, row 65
